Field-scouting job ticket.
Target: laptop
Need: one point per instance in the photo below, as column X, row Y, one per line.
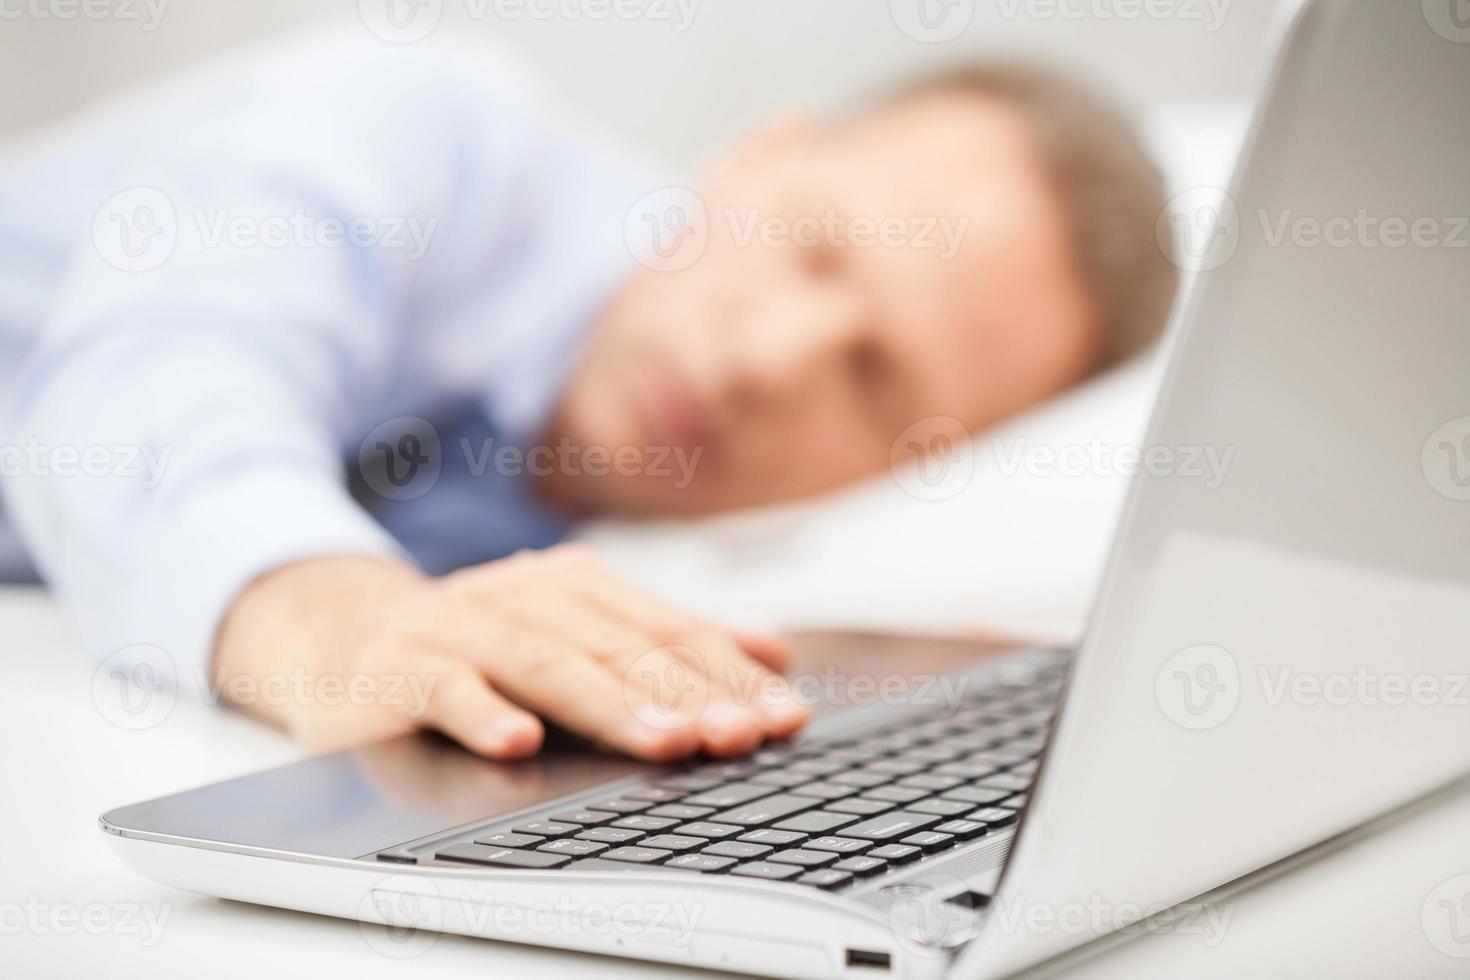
column 1273, row 662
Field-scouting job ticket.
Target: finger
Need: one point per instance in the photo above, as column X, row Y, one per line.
column 773, row 651
column 660, row 686
column 678, row 680
column 738, row 677
column 462, row 705
column 559, row 681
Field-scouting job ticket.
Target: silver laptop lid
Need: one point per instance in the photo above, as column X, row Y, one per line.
column 1279, row 658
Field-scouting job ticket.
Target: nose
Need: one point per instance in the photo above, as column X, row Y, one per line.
column 793, row 344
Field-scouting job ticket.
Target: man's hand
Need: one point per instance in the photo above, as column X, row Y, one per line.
column 341, row 650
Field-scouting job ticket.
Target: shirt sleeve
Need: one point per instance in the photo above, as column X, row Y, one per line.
column 246, row 296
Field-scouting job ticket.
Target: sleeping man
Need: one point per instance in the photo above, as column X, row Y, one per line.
column 387, row 327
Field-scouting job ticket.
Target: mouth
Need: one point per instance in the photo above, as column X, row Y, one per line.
column 673, row 413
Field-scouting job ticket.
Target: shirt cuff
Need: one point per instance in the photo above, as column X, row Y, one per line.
column 227, row 534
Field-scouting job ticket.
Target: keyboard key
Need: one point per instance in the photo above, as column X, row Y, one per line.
column 993, row 816
column 765, row 811
column 860, row 778
column 1006, row 780
column 967, row 770
column 825, row 878
column 838, row 845
column 610, row 835
column 974, row 794
column 963, row 829
column 895, row 794
column 705, row 863
column 680, row 811
column 622, row 805
column 807, row 859
column 572, row 847
column 507, row 839
column 586, row 818
column 690, row 784
column 726, row 770
column 817, row 767
column 941, row 807
column 541, row 828
column 740, row 850
column 896, row 853
column 930, row 781
column 639, row 822
column 817, row 822
column 861, row 866
column 859, row 806
column 602, row 864
column 655, row 794
column 781, row 778
column 711, row 831
column 500, row 857
column 637, row 855
column 895, row 767
column 891, row 826
column 774, row 838
column 768, row 871
column 929, row 840
column 673, row 842
column 732, row 795
column 824, row 791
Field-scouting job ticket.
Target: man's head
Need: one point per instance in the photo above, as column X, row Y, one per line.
column 959, row 251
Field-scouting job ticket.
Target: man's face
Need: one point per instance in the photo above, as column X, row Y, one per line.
column 859, row 278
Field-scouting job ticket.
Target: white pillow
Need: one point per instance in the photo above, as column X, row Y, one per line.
column 1016, row 551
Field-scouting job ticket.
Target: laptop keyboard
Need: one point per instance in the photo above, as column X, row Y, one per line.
column 824, row 812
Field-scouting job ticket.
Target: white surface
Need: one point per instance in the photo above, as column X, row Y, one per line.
column 1360, row 914
column 681, row 93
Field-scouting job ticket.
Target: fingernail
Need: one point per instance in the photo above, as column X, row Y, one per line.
column 508, row 732
column 724, row 718
column 781, row 707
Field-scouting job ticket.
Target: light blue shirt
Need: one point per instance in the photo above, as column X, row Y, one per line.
column 217, row 295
